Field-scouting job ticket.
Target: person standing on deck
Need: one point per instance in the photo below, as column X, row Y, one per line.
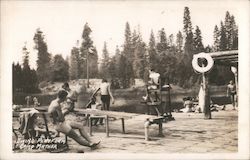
column 153, row 84
column 231, row 92
column 106, row 95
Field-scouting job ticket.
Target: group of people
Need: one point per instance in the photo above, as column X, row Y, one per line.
column 59, row 111
column 66, row 94
column 189, row 106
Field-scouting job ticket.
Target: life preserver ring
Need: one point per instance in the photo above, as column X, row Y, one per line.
column 210, row 62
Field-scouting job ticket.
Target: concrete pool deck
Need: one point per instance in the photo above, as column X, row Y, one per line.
column 189, row 133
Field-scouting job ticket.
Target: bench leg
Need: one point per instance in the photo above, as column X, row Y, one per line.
column 160, row 129
column 123, row 126
column 146, row 126
column 90, row 126
column 107, row 126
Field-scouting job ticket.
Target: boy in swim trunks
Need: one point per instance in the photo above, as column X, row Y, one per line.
column 67, row 127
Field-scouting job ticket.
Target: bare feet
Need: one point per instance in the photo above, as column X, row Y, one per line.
column 94, row 145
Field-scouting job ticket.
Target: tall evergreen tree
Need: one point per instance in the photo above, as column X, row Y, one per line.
column 17, row 78
column 234, row 34
column 162, row 45
column 88, row 53
column 127, row 48
column 60, row 71
column 152, row 52
column 228, row 30
column 25, row 57
column 117, row 59
column 127, row 58
column 179, row 41
column 216, row 46
column 44, row 58
column 188, row 47
column 198, row 45
column 105, row 62
column 223, row 40
column 74, row 63
column 93, row 63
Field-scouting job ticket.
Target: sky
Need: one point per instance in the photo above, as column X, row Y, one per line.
column 62, row 22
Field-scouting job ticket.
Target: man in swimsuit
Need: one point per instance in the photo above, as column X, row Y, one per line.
column 67, row 127
column 231, row 92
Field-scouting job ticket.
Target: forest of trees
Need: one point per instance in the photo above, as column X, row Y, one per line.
column 170, row 55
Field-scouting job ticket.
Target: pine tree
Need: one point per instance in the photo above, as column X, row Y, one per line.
column 60, row 70
column 74, row 65
column 17, row 78
column 105, row 61
column 25, row 57
column 216, row 46
column 198, row 45
column 188, row 47
column 117, row 59
column 93, row 63
column 228, row 31
column 127, row 58
column 44, row 58
column 88, row 53
column 127, row 48
column 223, row 41
column 234, row 32
column 179, row 41
column 171, row 40
column 153, row 59
column 162, row 45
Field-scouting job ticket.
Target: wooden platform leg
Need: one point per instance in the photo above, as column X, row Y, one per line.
column 160, row 128
column 123, row 126
column 90, row 126
column 146, row 126
column 107, row 125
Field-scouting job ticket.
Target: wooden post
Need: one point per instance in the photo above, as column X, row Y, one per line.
column 90, row 126
column 160, row 128
column 206, row 109
column 123, row 126
column 146, row 129
column 107, row 126
column 169, row 101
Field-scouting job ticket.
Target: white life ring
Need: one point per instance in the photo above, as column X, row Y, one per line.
column 210, row 62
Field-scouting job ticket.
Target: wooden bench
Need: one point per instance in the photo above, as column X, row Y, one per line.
column 121, row 115
column 96, row 114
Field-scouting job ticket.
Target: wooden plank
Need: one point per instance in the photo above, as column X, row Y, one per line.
column 224, row 53
column 108, row 113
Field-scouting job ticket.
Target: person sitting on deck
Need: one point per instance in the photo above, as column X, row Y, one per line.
column 67, row 127
column 153, row 84
column 72, row 96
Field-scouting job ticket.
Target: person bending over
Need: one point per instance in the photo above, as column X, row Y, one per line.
column 67, row 127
